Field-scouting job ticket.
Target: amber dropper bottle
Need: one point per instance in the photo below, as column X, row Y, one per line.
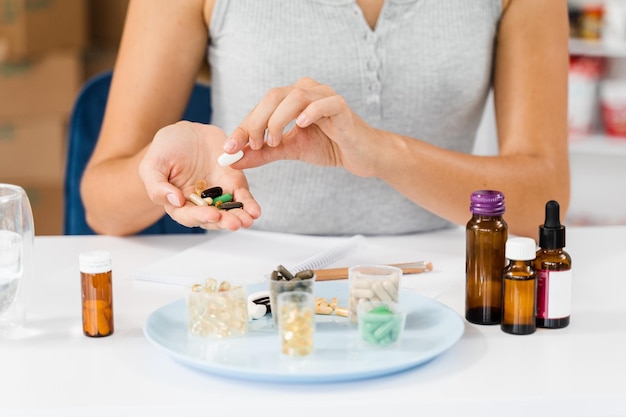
column 554, row 274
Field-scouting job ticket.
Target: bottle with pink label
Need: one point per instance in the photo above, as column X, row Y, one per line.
column 554, row 272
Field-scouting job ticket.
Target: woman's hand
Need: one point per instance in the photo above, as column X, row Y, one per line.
column 182, row 154
column 326, row 131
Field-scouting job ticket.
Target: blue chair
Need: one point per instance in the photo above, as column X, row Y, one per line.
column 83, row 131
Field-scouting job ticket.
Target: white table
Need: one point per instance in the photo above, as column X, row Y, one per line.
column 50, row 368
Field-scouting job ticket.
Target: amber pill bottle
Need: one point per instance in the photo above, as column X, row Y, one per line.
column 554, row 272
column 486, row 236
column 519, row 287
column 97, row 293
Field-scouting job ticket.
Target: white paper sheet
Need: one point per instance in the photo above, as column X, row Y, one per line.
column 249, row 257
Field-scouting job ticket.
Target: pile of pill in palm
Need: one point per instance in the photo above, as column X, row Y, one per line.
column 217, row 309
column 213, row 196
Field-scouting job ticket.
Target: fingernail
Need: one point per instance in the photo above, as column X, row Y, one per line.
column 230, row 145
column 173, row 200
column 301, row 120
column 270, row 140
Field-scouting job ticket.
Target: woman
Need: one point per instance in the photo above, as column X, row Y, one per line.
column 355, row 116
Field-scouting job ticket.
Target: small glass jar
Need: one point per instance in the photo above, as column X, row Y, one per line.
column 97, row 293
column 486, row 236
column 519, row 287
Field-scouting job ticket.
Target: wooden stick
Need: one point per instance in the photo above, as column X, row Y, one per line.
column 330, row 274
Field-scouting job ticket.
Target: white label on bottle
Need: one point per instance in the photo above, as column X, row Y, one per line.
column 554, row 294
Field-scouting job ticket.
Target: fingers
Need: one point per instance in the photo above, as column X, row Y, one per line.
column 266, row 123
column 332, row 107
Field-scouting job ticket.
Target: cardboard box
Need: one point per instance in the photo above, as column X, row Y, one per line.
column 32, row 28
column 106, row 22
column 46, row 87
column 33, row 150
column 47, row 203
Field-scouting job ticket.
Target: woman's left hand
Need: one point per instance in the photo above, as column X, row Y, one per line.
column 326, row 131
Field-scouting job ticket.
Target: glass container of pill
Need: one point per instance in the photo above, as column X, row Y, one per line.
column 296, row 322
column 381, row 323
column 302, row 281
column 97, row 293
column 370, row 284
column 217, row 310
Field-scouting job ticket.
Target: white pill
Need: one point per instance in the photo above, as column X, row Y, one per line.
column 226, row 159
column 256, row 311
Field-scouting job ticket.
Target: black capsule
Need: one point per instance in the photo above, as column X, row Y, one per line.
column 229, row 205
column 285, row 272
column 212, row 192
column 306, row 274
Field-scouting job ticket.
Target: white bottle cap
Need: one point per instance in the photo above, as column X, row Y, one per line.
column 521, row 248
column 95, row 261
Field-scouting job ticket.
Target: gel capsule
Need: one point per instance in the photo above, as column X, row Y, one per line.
column 231, row 205
column 212, row 192
column 200, row 185
column 224, row 198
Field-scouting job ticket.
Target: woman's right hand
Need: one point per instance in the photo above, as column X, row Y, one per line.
column 179, row 156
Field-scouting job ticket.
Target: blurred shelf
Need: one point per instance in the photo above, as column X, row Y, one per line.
column 598, row 144
column 597, row 48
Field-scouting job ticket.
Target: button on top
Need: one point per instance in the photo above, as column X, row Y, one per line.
column 372, row 65
column 370, row 37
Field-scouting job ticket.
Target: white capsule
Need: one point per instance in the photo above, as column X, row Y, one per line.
column 380, row 292
column 226, row 159
column 197, row 200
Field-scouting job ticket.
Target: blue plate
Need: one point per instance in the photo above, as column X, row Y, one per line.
column 431, row 329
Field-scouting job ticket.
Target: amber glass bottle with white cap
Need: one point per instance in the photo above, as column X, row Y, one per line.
column 519, row 285
column 97, row 293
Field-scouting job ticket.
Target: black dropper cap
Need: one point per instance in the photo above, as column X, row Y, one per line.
column 552, row 232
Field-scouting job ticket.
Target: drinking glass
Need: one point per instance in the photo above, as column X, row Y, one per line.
column 16, row 248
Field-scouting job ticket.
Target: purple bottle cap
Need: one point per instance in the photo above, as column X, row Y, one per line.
column 487, row 202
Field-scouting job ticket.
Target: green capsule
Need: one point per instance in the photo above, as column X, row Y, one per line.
column 224, row 198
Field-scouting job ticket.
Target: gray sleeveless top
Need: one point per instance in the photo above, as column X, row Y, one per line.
column 424, row 72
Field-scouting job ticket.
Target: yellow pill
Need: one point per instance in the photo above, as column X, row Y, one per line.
column 341, row 311
column 201, row 185
column 323, row 309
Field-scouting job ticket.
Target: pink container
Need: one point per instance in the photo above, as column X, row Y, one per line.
column 613, row 107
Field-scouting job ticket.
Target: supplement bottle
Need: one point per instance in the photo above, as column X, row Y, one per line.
column 486, row 235
column 519, row 287
column 97, row 293
column 554, row 274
